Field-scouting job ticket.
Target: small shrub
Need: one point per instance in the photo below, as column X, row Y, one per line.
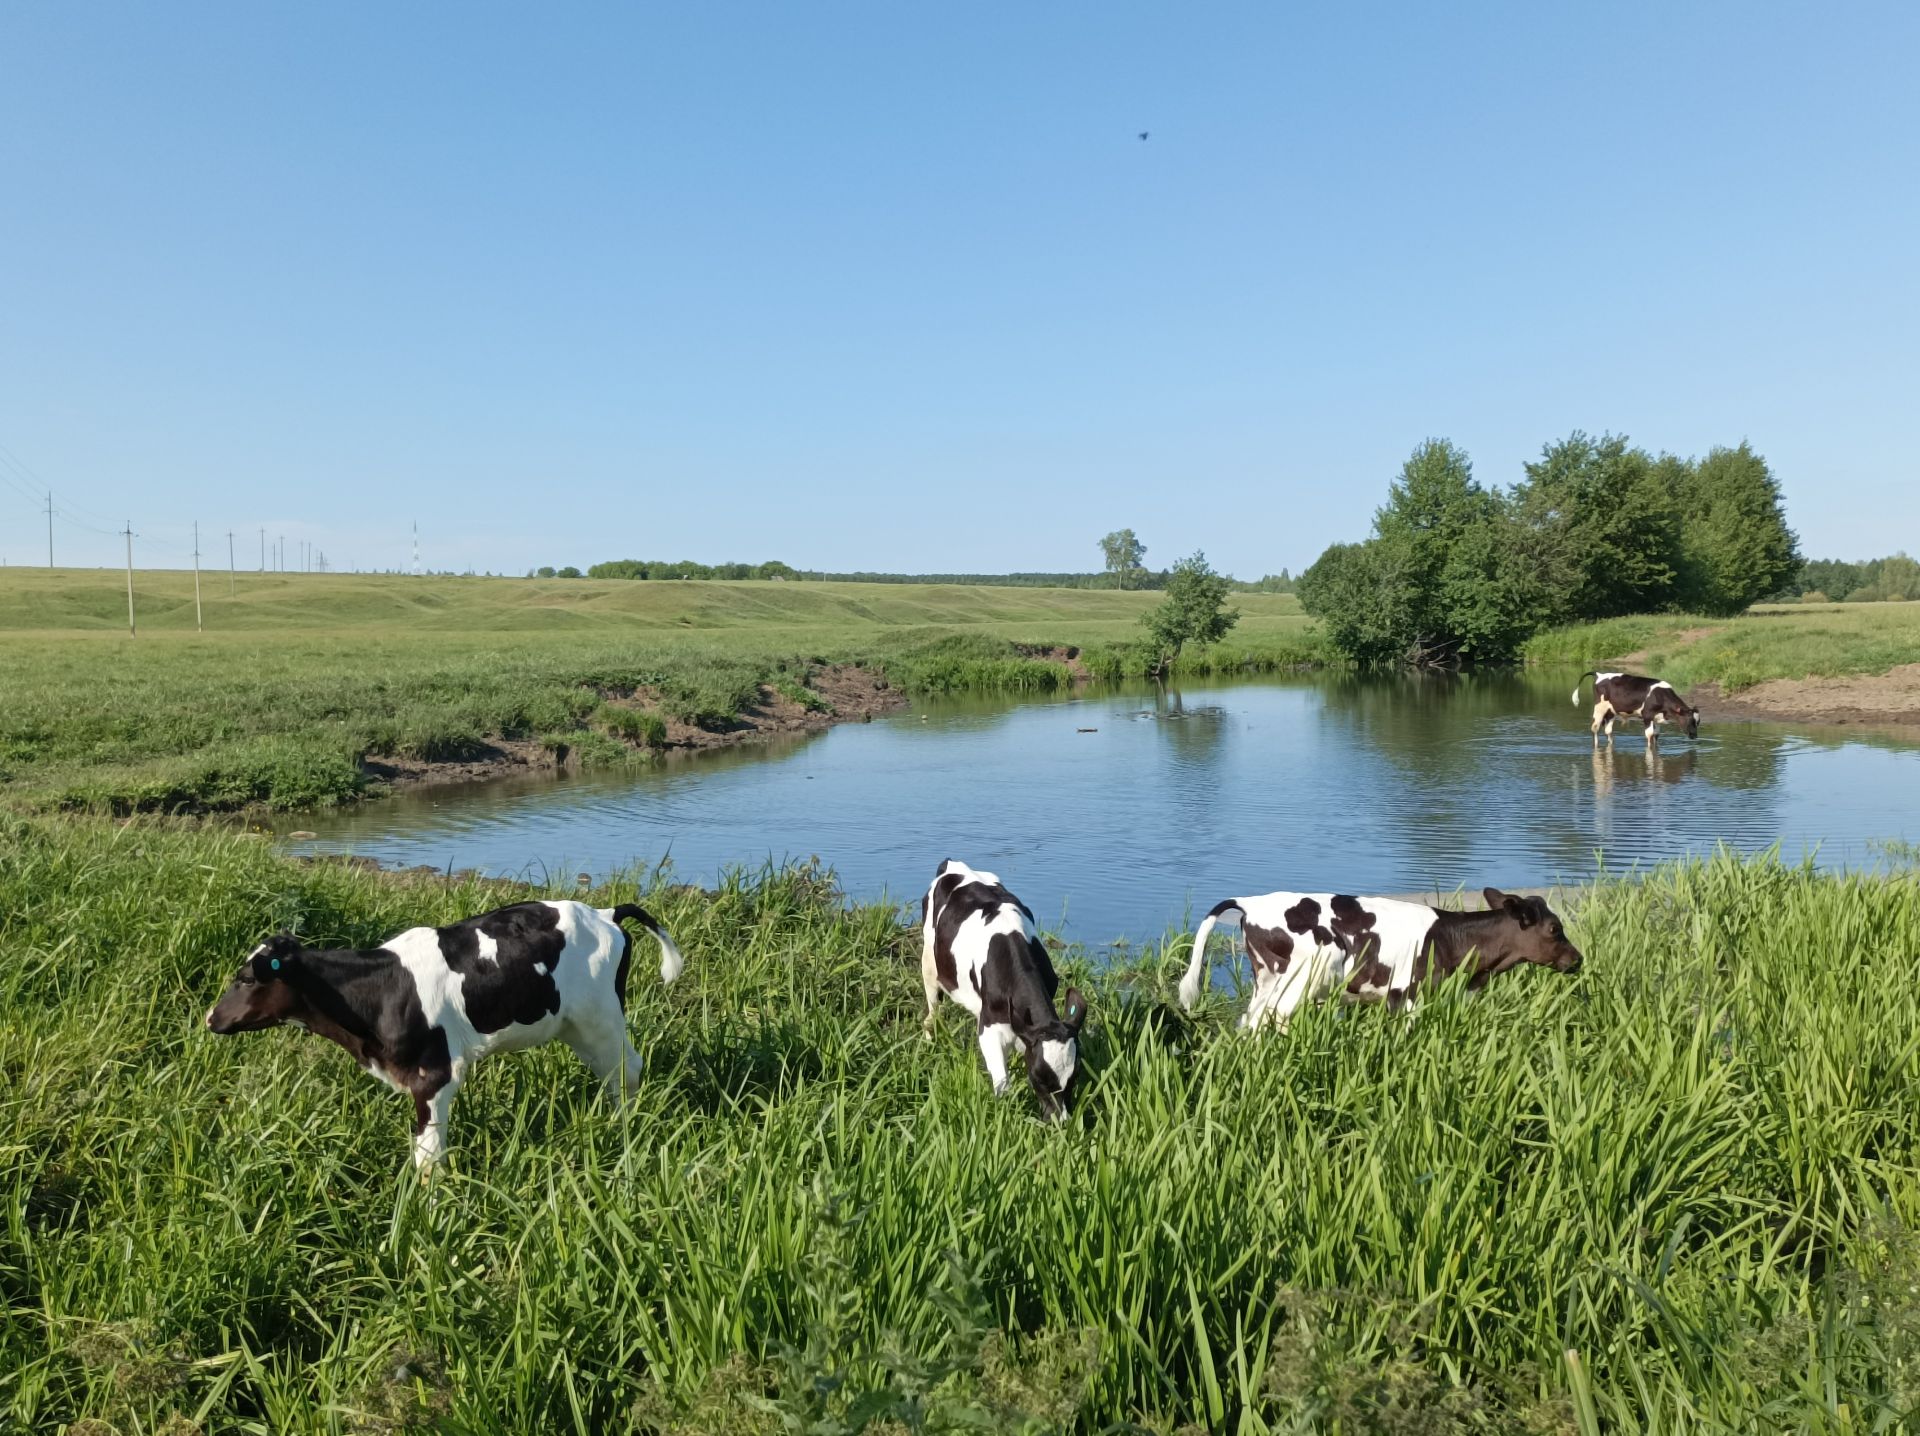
column 648, row 730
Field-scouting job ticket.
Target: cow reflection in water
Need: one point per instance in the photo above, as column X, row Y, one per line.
column 1651, row 767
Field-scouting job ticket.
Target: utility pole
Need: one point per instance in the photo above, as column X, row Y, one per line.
column 416, row 548
column 263, row 550
column 229, row 563
column 196, row 576
column 280, row 556
column 49, row 528
column 129, row 533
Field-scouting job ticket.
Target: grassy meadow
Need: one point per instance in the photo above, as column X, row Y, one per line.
column 1772, row 640
column 297, row 677
column 1677, row 1192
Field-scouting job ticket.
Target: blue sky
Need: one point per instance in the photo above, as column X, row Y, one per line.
column 895, row 286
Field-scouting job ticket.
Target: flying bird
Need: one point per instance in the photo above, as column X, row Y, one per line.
column 1143, row 134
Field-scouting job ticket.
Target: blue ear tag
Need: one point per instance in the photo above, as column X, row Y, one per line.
column 276, row 964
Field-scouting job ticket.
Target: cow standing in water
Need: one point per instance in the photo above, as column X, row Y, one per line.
column 1306, row 946
column 980, row 948
column 419, row 1010
column 1627, row 695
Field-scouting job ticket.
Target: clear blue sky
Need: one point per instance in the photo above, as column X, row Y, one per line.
column 895, row 285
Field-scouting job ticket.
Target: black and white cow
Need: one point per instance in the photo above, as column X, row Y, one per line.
column 979, row 947
column 1627, row 695
column 1306, row 946
column 422, row 1008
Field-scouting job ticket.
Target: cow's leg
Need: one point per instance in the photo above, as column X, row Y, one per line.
column 930, row 981
column 1287, row 991
column 606, row 1048
column 1653, row 733
column 431, row 1104
column 1602, row 714
column 993, row 1051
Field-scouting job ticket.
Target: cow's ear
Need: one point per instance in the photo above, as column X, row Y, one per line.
column 1495, row 898
column 1075, row 1011
column 1519, row 909
column 278, row 958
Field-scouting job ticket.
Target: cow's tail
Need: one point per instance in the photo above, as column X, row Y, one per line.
column 671, row 962
column 1197, row 963
column 1590, row 673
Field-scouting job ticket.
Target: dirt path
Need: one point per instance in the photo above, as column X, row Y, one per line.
column 1886, row 699
column 856, row 695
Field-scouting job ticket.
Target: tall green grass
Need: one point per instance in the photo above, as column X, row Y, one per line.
column 1676, row 1192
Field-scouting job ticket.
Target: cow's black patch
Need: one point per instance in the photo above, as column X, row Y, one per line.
column 1353, row 930
column 955, row 899
column 1304, row 916
column 506, row 989
column 1268, row 947
column 1017, row 983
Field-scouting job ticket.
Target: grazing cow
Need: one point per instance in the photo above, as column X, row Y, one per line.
column 978, row 945
column 421, row 1009
column 1627, row 695
column 1308, row 945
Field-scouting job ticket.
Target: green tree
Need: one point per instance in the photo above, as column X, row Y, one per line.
column 568, row 572
column 1736, row 547
column 1124, row 553
column 1350, row 590
column 1430, row 510
column 1605, row 527
column 1445, row 579
column 1193, row 611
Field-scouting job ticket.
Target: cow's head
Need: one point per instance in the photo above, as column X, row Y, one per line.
column 1536, row 934
column 1053, row 1057
column 261, row 994
column 1692, row 719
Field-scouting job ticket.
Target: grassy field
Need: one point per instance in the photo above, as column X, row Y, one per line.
column 1678, row 1192
column 1783, row 640
column 300, row 676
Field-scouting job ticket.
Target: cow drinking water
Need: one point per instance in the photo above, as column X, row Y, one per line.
column 1627, row 695
column 1306, row 946
column 422, row 1008
column 978, row 945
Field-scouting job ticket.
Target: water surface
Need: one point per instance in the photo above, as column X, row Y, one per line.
column 1179, row 798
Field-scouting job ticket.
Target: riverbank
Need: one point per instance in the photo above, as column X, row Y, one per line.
column 831, row 694
column 805, row 1205
column 313, row 690
column 1853, row 663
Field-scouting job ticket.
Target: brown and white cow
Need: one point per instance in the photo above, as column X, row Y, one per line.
column 1306, row 946
column 1627, row 695
column 422, row 1008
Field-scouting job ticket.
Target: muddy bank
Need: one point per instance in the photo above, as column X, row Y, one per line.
column 853, row 695
column 1890, row 699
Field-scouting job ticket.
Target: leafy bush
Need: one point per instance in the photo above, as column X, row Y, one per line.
column 648, row 730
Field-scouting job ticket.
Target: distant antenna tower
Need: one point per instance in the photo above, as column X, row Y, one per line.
column 416, row 548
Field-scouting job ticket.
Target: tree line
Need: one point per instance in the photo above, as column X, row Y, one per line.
column 1895, row 578
column 1457, row 573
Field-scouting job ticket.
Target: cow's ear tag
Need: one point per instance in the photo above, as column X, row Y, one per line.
column 276, row 964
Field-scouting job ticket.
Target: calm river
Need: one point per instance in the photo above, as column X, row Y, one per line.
column 1179, row 798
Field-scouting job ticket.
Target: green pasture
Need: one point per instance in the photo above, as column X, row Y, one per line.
column 297, row 677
